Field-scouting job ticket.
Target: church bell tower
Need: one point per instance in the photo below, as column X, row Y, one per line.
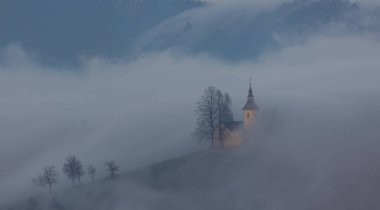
column 249, row 109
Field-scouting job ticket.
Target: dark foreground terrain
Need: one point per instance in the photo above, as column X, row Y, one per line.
column 221, row 179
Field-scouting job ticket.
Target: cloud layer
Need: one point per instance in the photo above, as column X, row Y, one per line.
column 143, row 111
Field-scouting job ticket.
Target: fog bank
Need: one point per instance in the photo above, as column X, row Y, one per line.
column 142, row 112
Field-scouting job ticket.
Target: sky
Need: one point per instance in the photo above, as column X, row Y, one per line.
column 142, row 111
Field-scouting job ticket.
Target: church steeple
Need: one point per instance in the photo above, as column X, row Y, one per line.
column 250, row 92
column 250, row 108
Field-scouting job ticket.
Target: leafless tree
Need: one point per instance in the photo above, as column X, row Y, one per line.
column 223, row 112
column 112, row 169
column 91, row 171
column 213, row 109
column 79, row 171
column 206, row 115
column 48, row 177
column 73, row 169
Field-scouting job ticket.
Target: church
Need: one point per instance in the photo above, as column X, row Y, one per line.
column 233, row 131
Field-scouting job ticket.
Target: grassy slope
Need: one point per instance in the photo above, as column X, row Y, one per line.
column 184, row 177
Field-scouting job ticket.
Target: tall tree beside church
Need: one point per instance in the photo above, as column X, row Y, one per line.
column 213, row 109
column 206, row 115
column 223, row 112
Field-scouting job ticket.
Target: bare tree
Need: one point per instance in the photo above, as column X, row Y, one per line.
column 48, row 177
column 79, row 171
column 207, row 118
column 91, row 171
column 223, row 113
column 73, row 169
column 112, row 169
column 69, row 168
column 213, row 109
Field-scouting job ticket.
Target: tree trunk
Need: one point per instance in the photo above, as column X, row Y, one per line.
column 220, row 128
column 212, row 132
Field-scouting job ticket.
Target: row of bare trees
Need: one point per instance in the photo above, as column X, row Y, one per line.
column 74, row 170
column 213, row 110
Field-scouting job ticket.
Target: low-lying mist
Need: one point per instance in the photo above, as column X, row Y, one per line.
column 315, row 146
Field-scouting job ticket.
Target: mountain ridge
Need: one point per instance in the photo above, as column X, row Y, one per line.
column 62, row 31
column 63, row 34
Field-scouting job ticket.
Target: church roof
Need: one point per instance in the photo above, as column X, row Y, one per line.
column 234, row 125
column 250, row 105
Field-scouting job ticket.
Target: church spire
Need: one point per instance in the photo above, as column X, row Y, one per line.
column 250, row 93
column 250, row 105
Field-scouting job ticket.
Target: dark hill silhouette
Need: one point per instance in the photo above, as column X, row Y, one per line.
column 61, row 32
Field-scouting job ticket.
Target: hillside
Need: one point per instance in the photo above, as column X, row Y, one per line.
column 278, row 173
column 243, row 33
column 59, row 32
column 165, row 185
column 65, row 32
column 212, row 179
